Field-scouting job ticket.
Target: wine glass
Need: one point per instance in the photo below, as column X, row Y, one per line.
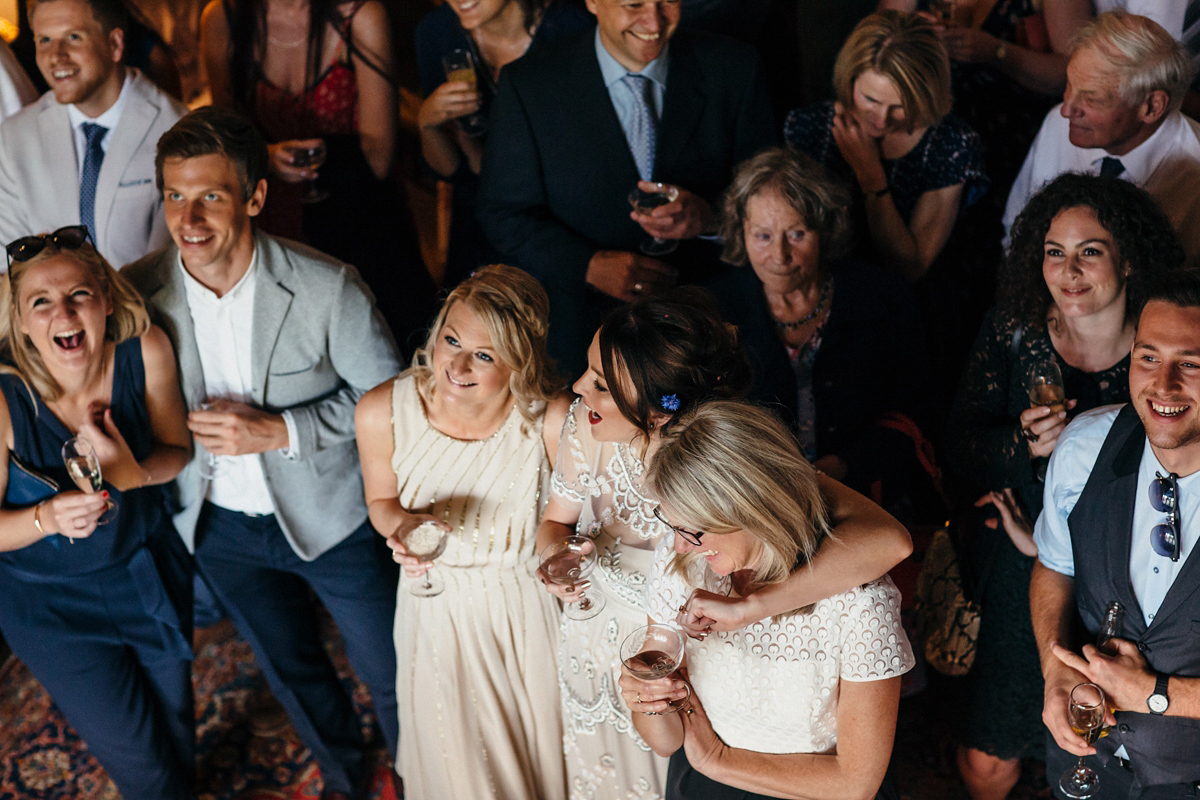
column 568, row 562
column 426, row 542
column 84, row 469
column 652, row 652
column 1046, row 386
column 460, row 66
column 1086, row 712
column 211, row 464
column 310, row 157
column 644, row 202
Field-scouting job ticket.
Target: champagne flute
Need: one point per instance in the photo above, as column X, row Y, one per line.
column 1046, row 386
column 84, row 469
column 1086, row 712
column 652, row 652
column 310, row 157
column 644, row 202
column 426, row 542
column 460, row 66
column 568, row 563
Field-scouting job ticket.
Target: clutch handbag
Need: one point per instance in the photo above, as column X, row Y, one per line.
column 26, row 486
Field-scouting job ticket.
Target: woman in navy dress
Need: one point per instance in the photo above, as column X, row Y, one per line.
column 99, row 611
column 452, row 120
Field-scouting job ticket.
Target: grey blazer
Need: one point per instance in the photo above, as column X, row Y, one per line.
column 319, row 345
column 39, row 173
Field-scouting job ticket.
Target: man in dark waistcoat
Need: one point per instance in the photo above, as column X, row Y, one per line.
column 1122, row 514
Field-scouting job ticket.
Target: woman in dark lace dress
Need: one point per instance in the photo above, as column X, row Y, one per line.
column 913, row 170
column 1067, row 295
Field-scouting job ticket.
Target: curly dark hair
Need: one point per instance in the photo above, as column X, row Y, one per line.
column 1141, row 232
column 676, row 353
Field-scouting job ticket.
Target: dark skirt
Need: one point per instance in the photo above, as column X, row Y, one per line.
column 685, row 783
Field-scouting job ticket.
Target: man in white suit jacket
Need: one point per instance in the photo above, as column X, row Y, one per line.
column 283, row 340
column 44, row 148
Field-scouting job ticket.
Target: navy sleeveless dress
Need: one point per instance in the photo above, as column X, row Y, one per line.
column 104, row 622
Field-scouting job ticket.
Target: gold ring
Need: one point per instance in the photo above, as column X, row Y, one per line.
column 690, row 711
column 683, row 609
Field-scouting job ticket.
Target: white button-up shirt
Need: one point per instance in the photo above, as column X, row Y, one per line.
column 224, row 337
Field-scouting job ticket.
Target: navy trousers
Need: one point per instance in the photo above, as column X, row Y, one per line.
column 113, row 650
column 264, row 585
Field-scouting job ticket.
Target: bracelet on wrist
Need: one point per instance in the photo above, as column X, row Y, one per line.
column 37, row 523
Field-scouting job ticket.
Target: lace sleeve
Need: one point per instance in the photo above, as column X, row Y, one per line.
column 573, row 480
column 666, row 590
column 985, row 444
column 874, row 646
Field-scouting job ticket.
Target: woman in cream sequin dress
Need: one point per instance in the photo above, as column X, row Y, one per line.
column 674, row 349
column 466, row 439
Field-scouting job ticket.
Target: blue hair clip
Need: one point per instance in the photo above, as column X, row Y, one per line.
column 669, row 402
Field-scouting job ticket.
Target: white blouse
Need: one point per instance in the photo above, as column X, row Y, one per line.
column 772, row 687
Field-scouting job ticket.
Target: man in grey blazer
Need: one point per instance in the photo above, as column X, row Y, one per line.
column 277, row 341
column 84, row 152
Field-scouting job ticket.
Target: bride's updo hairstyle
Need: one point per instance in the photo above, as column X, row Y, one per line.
column 667, row 353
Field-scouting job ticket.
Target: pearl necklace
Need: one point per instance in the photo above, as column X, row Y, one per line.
column 821, row 301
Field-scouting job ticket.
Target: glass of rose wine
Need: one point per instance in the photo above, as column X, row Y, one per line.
column 426, row 542
column 84, row 469
column 1046, row 387
column 1086, row 713
column 644, row 202
column 310, row 157
column 569, row 562
column 652, row 652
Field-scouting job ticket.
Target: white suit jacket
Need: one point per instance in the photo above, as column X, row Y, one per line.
column 39, row 174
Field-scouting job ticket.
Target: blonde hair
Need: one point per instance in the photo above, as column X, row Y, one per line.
column 906, row 49
column 127, row 320
column 730, row 466
column 1141, row 54
column 514, row 308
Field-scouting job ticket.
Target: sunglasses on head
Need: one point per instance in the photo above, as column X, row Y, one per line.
column 70, row 237
column 1164, row 496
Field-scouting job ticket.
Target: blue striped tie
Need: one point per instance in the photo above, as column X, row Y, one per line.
column 642, row 133
column 93, row 157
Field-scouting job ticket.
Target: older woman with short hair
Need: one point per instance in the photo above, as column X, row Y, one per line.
column 800, row 705
column 836, row 341
column 913, row 166
column 1067, row 297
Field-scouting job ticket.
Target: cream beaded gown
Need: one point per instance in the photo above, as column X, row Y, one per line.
column 476, row 680
column 606, row 758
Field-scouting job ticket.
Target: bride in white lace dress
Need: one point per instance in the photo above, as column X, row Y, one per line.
column 650, row 362
column 803, row 705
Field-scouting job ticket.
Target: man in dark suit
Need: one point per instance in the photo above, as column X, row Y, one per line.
column 574, row 128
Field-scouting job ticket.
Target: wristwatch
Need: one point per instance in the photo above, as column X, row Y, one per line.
column 1158, row 702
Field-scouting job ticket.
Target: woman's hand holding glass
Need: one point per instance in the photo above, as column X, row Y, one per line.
column 1041, row 426
column 413, row 566
column 72, row 514
column 448, row 102
column 117, row 462
column 284, row 161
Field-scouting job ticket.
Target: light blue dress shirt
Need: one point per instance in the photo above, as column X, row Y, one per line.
column 623, row 98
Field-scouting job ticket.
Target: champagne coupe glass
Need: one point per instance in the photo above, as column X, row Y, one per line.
column 211, row 464
column 644, row 202
column 460, row 66
column 1086, row 712
column 426, row 542
column 652, row 652
column 1046, row 386
column 568, row 563
column 84, row 469
column 310, row 157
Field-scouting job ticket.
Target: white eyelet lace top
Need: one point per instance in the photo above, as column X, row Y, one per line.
column 772, row 687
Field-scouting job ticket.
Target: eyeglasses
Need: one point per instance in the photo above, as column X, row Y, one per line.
column 693, row 537
column 1164, row 496
column 70, row 237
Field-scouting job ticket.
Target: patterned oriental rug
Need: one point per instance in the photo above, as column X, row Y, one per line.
column 246, row 747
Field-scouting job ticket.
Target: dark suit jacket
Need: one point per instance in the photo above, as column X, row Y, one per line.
column 557, row 170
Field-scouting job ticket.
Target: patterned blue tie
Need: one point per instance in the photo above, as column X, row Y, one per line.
column 93, row 157
column 1111, row 167
column 642, row 132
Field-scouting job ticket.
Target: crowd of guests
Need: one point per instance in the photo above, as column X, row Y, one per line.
column 802, row 342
